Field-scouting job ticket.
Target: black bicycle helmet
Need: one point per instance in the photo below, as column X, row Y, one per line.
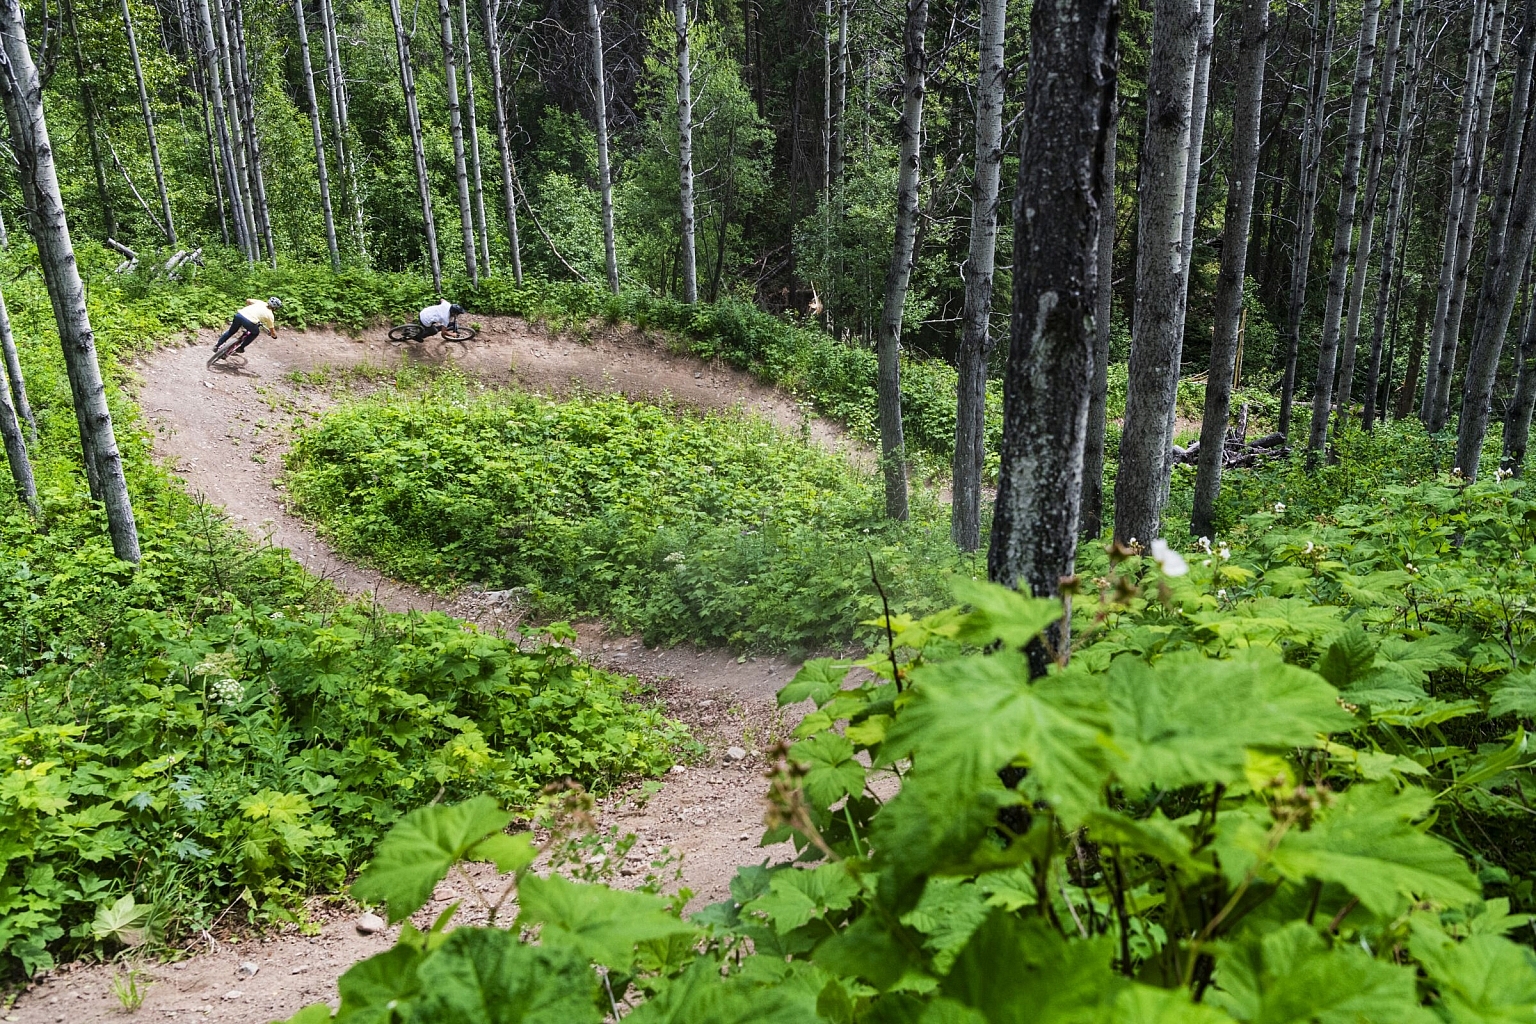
column 456, row 310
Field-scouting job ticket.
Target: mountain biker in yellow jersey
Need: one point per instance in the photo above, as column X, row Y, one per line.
column 253, row 319
column 435, row 318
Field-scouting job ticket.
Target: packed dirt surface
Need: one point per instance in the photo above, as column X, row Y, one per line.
column 225, row 431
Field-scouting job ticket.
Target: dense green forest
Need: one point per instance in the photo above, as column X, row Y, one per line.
column 1163, row 610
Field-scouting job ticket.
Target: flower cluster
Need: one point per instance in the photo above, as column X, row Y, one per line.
column 226, row 691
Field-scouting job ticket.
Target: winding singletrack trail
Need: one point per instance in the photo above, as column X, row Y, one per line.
column 225, row 431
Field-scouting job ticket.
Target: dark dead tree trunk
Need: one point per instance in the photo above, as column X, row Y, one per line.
column 1345, row 383
column 1247, row 115
column 1091, row 515
column 1517, row 418
column 893, row 447
column 503, row 135
column 1157, row 332
column 413, row 121
column 1068, row 104
column 1343, row 228
column 307, row 70
column 149, row 124
column 976, row 340
column 1311, row 176
column 22, row 94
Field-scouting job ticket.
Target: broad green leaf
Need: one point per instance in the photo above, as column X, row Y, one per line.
column 1367, row 843
column 1290, row 976
column 1016, row 970
column 1000, row 614
column 1485, row 979
column 872, row 952
column 419, row 851
column 1143, row 1004
column 379, row 990
column 600, row 923
column 1495, row 762
column 486, row 976
column 1154, row 836
column 701, row 996
column 832, row 771
column 122, row 921
column 1414, row 660
column 1348, row 658
column 796, row 896
column 314, row 1013
column 1190, row 720
column 948, row 914
column 508, row 853
column 1514, row 694
column 818, row 680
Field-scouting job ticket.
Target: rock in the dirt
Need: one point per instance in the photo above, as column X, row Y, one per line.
column 233, row 994
column 249, row 968
column 369, row 924
column 736, row 753
column 679, row 769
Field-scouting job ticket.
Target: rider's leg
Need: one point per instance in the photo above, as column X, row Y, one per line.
column 239, row 323
column 245, row 341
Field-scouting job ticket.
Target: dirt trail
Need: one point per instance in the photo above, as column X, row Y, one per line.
column 224, row 431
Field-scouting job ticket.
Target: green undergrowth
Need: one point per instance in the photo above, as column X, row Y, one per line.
column 216, row 734
column 713, row 529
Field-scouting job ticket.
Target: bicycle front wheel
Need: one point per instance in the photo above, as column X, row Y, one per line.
column 453, row 332
column 405, row 332
column 223, row 350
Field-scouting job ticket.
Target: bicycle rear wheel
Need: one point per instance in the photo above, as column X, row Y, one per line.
column 405, row 332
column 223, row 350
column 453, row 332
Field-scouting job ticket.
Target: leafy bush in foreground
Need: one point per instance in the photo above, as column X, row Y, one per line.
column 713, row 529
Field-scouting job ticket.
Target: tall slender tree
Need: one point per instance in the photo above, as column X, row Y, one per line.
column 685, row 153
column 456, row 136
column 1311, row 174
column 18, row 382
column 1247, row 115
column 1517, row 417
column 336, row 83
column 1068, row 104
column 307, row 70
column 491, row 9
column 149, row 124
column 222, row 119
column 914, row 88
column 472, row 129
column 976, row 340
column 246, row 99
column 1158, row 326
column 413, row 123
column 1091, row 515
column 604, row 164
column 16, row 450
column 22, row 94
column 92, row 120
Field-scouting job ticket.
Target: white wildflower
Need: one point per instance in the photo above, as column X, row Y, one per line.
column 1279, row 507
column 1205, row 544
column 226, row 691
column 1308, row 549
column 1225, row 553
column 1221, row 595
column 1170, row 561
column 676, row 556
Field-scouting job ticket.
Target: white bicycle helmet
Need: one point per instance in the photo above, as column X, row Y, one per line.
column 275, row 303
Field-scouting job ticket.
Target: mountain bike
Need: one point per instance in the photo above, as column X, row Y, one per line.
column 415, row 332
column 229, row 345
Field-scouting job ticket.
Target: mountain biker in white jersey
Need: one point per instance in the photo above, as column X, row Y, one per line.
column 435, row 318
column 254, row 318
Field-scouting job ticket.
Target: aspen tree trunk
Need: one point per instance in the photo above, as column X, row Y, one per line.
column 1407, row 119
column 1517, row 418
column 1345, row 383
column 685, row 153
column 604, row 167
column 337, row 83
column 1460, row 181
column 1492, row 324
column 215, row 94
column 1158, row 325
column 149, row 124
column 92, row 129
column 472, row 129
column 1247, row 114
column 1406, row 393
column 1068, row 104
column 413, row 118
column 22, row 94
column 242, row 184
column 1200, row 96
column 308, row 72
column 1311, row 171
column 826, row 101
column 247, row 98
column 503, row 141
column 840, row 95
column 1343, row 228
column 1467, row 227
column 16, row 449
column 914, row 87
column 976, row 339
column 1091, row 514
column 456, row 134
column 12, row 360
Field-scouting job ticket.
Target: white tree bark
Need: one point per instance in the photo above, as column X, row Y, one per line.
column 149, row 124
column 308, row 71
column 685, row 153
column 413, row 118
column 604, row 166
column 246, row 94
column 472, row 129
column 503, row 140
column 12, row 361
column 241, row 184
column 10, row 427
column 456, row 135
column 23, row 99
column 336, row 82
column 1157, row 337
column 976, row 340
column 914, row 87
